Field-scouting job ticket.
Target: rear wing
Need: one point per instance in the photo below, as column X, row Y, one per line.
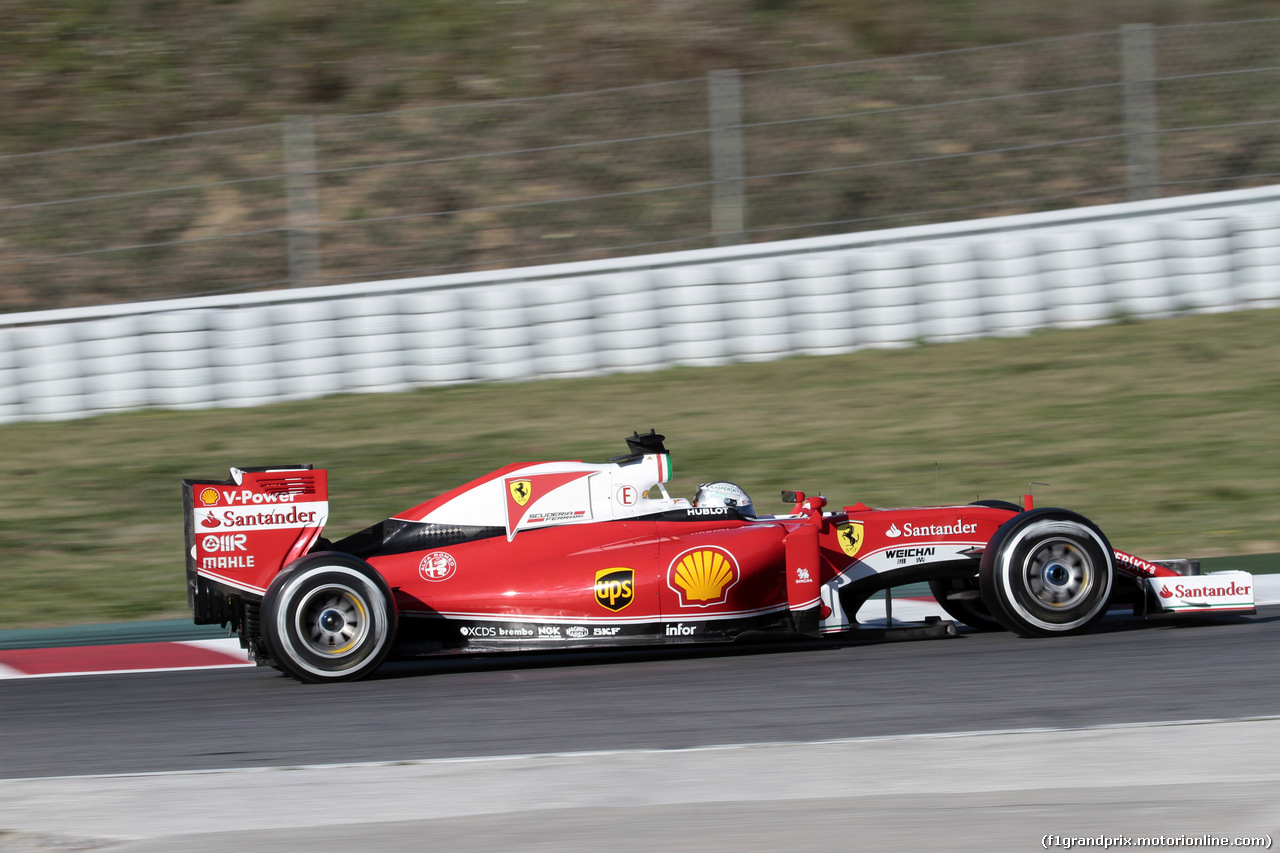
column 241, row 531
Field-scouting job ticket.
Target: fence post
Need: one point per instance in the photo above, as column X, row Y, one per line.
column 728, row 216
column 303, row 201
column 1141, row 143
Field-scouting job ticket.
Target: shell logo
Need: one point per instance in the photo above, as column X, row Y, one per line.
column 209, row 497
column 701, row 577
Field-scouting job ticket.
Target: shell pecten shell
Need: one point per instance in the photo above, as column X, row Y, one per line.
column 702, row 576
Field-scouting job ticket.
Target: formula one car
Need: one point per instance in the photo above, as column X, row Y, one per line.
column 572, row 555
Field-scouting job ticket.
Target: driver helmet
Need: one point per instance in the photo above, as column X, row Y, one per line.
column 724, row 493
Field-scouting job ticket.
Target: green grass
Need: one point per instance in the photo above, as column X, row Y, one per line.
column 1163, row 432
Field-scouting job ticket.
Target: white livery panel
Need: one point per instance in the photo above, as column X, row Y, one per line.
column 1224, row 591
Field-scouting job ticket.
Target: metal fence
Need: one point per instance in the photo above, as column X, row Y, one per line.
column 736, row 157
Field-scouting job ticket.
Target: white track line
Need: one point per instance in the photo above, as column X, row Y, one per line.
column 229, row 646
column 687, row 750
column 126, row 671
column 1008, row 762
column 1266, row 589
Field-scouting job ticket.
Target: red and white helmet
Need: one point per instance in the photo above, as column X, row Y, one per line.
column 724, row 493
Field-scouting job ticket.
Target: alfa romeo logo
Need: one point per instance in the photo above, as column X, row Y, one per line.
column 437, row 566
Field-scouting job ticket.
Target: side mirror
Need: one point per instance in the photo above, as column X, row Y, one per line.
column 796, row 499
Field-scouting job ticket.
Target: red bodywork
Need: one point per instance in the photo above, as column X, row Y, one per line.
column 566, row 554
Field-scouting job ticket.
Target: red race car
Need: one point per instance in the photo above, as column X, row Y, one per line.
column 571, row 555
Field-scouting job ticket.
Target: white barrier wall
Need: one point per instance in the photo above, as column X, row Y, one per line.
column 1217, row 252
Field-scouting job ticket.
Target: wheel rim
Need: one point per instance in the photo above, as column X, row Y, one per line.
column 332, row 620
column 1058, row 573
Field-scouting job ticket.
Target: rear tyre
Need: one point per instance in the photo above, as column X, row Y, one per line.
column 970, row 611
column 1047, row 572
column 328, row 617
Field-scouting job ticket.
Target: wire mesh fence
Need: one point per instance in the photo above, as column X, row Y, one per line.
column 1218, row 96
column 916, row 139
column 736, row 157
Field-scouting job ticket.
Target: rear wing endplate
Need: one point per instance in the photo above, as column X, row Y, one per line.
column 242, row 530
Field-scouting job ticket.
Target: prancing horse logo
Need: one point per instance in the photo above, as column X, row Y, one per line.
column 850, row 537
column 521, row 491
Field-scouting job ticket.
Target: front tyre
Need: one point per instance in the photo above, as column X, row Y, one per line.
column 328, row 617
column 1047, row 572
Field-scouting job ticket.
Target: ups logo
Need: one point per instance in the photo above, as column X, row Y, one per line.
column 615, row 588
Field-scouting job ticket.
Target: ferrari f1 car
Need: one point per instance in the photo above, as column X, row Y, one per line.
column 572, row 555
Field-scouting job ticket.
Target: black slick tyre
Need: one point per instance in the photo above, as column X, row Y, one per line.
column 1047, row 572
column 328, row 617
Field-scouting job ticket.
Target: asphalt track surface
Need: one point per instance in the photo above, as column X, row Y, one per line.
column 1124, row 672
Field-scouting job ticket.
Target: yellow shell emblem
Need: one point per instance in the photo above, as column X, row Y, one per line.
column 850, row 537
column 702, row 577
